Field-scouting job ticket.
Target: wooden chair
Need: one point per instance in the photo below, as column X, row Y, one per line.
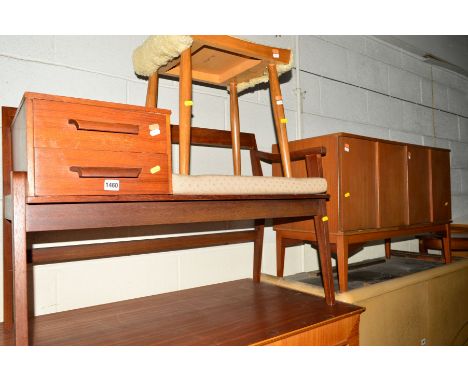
column 216, row 60
column 458, row 235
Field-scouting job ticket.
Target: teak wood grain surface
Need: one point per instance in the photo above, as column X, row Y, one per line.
column 53, row 135
column 233, row 313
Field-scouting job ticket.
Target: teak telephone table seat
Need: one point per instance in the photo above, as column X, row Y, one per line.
column 29, row 213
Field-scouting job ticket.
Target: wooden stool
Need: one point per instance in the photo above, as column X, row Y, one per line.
column 216, row 60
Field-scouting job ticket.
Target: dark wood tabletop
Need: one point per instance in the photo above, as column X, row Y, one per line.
column 232, row 313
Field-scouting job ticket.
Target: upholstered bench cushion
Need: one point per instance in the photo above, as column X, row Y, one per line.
column 245, row 185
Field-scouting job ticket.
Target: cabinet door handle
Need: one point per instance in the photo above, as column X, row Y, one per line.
column 106, row 172
column 121, row 128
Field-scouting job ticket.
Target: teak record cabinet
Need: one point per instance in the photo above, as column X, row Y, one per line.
column 379, row 189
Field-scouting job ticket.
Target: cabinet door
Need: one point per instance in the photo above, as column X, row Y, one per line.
column 392, row 197
column 418, row 185
column 358, row 188
column 441, row 209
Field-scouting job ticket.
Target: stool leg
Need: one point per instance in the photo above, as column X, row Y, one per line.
column 235, row 127
column 152, row 92
column 185, row 111
column 280, row 124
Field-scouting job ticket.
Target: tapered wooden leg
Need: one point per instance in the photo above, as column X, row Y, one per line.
column 18, row 182
column 280, row 254
column 235, row 127
column 422, row 247
column 342, row 262
column 258, row 250
column 280, row 121
column 388, row 248
column 446, row 244
column 152, row 92
column 7, row 276
column 7, row 118
column 321, row 229
column 185, row 111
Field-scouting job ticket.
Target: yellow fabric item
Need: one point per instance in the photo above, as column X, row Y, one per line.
column 157, row 51
column 280, row 69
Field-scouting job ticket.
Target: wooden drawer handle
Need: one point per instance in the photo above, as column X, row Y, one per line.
column 106, row 172
column 121, row 128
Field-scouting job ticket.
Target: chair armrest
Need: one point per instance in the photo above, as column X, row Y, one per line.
column 294, row 155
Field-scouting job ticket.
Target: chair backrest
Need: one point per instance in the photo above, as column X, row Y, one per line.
column 223, row 139
column 220, row 138
column 215, row 138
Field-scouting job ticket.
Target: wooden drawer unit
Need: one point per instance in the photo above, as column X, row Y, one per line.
column 72, row 126
column 79, row 147
column 81, row 172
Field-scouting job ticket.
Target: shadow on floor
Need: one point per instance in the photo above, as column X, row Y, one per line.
column 360, row 275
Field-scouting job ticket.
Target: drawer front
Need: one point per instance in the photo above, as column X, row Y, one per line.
column 85, row 127
column 86, row 172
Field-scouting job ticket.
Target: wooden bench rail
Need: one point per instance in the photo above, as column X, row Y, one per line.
column 69, row 216
column 137, row 247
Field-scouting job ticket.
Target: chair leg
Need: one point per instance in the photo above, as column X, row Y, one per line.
column 321, row 229
column 235, row 127
column 152, row 92
column 280, row 254
column 258, row 249
column 280, row 120
column 185, row 111
column 20, row 297
column 388, row 248
column 446, row 245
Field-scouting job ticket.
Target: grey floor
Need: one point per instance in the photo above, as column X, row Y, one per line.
column 371, row 273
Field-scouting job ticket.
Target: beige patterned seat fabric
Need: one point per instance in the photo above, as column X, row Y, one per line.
column 245, row 185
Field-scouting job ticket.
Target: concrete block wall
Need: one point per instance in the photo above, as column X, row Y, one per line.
column 350, row 83
column 366, row 86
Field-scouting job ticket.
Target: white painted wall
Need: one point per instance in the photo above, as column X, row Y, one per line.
column 452, row 49
column 355, row 84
